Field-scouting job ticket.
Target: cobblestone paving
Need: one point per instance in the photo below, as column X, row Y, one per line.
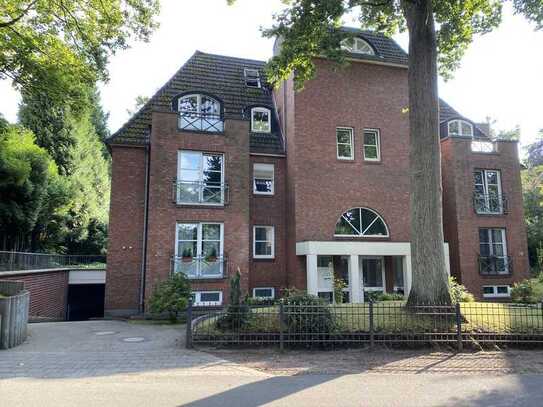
column 99, row 348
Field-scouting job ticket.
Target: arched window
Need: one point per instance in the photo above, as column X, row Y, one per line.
column 460, row 128
column 357, row 46
column 199, row 112
column 361, row 222
column 260, row 120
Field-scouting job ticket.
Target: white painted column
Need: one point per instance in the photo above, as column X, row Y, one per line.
column 354, row 280
column 311, row 271
column 407, row 276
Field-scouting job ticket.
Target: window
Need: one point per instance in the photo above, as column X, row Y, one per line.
column 372, row 149
column 264, row 292
column 200, row 112
column 252, row 77
column 263, row 242
column 199, row 250
column 460, row 128
column 488, row 192
column 361, row 222
column 206, row 298
column 357, row 46
column 260, row 120
column 263, row 182
column 200, row 178
column 493, row 259
column 344, row 141
column 496, row 291
column 398, row 275
column 373, row 273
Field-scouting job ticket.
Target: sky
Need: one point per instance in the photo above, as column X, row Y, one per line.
column 501, row 75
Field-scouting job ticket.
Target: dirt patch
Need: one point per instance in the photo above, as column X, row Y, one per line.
column 390, row 361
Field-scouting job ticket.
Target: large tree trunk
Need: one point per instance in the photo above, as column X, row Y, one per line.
column 430, row 285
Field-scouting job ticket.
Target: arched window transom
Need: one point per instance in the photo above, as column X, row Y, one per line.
column 361, row 222
column 357, row 46
column 200, row 112
column 460, row 128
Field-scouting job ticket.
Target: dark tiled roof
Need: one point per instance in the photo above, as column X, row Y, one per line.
column 446, row 113
column 217, row 75
column 386, row 49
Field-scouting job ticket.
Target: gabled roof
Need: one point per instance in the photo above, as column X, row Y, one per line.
column 217, row 75
column 386, row 49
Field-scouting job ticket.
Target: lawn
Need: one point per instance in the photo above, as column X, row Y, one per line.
column 393, row 317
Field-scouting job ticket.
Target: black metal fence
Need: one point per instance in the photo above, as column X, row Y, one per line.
column 15, row 261
column 392, row 323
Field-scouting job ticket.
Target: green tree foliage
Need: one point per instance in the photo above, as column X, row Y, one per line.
column 459, row 292
column 29, row 183
column 55, row 46
column 529, row 291
column 171, row 296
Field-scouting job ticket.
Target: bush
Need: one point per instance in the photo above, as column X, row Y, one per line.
column 459, row 293
column 171, row 296
column 376, row 296
column 238, row 313
column 307, row 313
column 529, row 291
column 339, row 285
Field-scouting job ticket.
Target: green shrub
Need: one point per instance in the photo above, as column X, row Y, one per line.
column 529, row 291
column 376, row 296
column 171, row 296
column 459, row 293
column 307, row 313
column 238, row 313
column 339, row 285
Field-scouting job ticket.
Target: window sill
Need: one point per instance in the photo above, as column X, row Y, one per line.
column 263, row 194
column 196, row 205
column 372, row 162
column 219, row 133
column 490, row 214
column 264, row 259
column 207, row 279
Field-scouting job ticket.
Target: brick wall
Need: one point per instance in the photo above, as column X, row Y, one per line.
column 48, row 293
column 462, row 224
column 125, row 230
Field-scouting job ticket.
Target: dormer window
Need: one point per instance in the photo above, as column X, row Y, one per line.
column 252, row 77
column 199, row 112
column 357, row 46
column 460, row 128
column 260, row 120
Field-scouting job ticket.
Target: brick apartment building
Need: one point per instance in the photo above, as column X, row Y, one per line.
column 219, row 172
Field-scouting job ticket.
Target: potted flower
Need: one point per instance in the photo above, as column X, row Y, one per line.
column 211, row 256
column 186, row 256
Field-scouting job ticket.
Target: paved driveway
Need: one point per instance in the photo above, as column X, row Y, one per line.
column 113, row 363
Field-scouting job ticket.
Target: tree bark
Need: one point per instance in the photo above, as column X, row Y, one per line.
column 430, row 281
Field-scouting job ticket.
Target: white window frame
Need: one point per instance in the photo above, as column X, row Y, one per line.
column 196, row 120
column 381, row 289
column 495, row 293
column 199, row 245
column 272, row 179
column 264, row 256
column 351, row 143
column 460, row 131
column 198, row 302
column 360, row 46
column 253, row 74
column 491, row 248
column 361, row 232
column 486, row 193
column 200, row 179
column 264, row 288
column 377, row 134
column 261, row 110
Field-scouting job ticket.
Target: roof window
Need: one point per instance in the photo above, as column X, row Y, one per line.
column 252, row 78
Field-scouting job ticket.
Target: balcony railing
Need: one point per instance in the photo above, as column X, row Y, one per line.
column 489, row 204
column 201, row 122
column 199, row 267
column 482, row 146
column 495, row 265
column 199, row 193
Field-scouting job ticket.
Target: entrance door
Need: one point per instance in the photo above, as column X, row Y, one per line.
column 372, row 275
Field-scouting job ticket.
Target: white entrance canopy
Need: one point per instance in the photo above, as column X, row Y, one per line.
column 312, row 249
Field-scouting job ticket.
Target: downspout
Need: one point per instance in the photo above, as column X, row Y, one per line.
column 145, row 221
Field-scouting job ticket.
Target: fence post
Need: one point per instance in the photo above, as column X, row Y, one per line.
column 458, row 327
column 281, row 328
column 188, row 336
column 372, row 339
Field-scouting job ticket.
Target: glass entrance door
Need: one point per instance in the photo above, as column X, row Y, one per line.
column 372, row 279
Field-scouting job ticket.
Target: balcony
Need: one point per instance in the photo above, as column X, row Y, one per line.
column 206, row 122
column 489, row 204
column 199, row 193
column 481, row 146
column 199, row 267
column 495, row 265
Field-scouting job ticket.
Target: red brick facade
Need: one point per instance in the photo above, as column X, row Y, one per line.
column 312, row 187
